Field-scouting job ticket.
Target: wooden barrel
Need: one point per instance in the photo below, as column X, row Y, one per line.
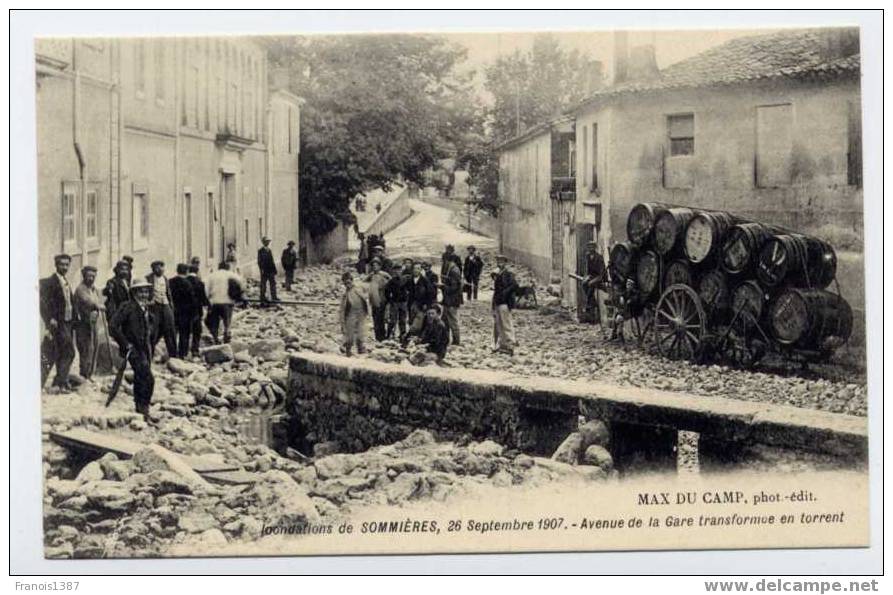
column 705, row 234
column 796, row 260
column 749, row 297
column 622, row 260
column 640, row 222
column 810, row 318
column 713, row 289
column 648, row 272
column 669, row 229
column 678, row 271
column 742, row 245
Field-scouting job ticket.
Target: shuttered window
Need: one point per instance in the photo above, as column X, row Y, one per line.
column 775, row 145
column 681, row 133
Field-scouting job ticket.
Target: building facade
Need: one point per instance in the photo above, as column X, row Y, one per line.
column 162, row 148
column 536, row 197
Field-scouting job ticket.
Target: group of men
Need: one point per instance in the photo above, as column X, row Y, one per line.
column 137, row 313
column 402, row 300
column 266, row 266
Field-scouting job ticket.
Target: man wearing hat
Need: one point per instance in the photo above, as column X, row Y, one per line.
column 377, row 280
column 434, row 336
column 133, row 327
column 58, row 315
column 504, row 288
column 267, row 267
column 162, row 307
column 353, row 312
column 594, row 282
column 396, row 294
column 185, row 303
column 88, row 308
column 117, row 289
column 378, row 252
column 472, row 270
column 452, row 298
column 289, row 264
column 449, row 255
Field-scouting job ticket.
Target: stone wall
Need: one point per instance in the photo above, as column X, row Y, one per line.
column 362, row 402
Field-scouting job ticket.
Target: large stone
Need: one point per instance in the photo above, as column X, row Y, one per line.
column 282, row 501
column 265, row 347
column 486, row 448
column 181, row 367
column 599, row 457
column 112, row 496
column 147, row 460
column 570, row 450
column 335, row 465
column 327, row 448
column 595, row 432
column 91, row 472
column 197, row 522
column 217, row 354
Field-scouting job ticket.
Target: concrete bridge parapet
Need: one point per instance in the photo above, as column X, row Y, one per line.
column 363, row 402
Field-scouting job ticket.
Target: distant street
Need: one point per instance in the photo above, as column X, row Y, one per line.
column 425, row 234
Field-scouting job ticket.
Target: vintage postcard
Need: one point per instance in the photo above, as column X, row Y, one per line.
column 451, row 292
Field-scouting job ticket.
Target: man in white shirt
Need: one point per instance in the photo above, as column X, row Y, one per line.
column 162, row 309
column 224, row 290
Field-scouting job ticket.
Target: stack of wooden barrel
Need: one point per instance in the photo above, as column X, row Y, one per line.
column 747, row 272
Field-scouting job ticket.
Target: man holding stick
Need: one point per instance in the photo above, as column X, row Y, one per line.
column 132, row 327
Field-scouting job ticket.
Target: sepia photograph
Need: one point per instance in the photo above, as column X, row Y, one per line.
column 420, row 292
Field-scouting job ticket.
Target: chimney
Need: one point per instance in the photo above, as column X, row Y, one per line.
column 594, row 77
column 642, row 63
column 621, row 56
column 279, row 79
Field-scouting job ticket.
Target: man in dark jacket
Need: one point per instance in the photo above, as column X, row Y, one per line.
column 434, row 335
column 267, row 267
column 58, row 314
column 472, row 272
column 504, row 288
column 117, row 289
column 200, row 302
column 432, row 278
column 289, row 264
column 132, row 327
column 452, row 299
column 162, row 309
column 421, row 296
column 183, row 300
column 397, row 298
column 449, row 255
column 594, row 283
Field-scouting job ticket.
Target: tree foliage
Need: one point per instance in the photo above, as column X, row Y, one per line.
column 528, row 88
column 378, row 108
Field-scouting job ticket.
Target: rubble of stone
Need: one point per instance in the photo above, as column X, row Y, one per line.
column 141, row 507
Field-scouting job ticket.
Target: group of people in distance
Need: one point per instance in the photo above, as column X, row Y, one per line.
column 402, row 300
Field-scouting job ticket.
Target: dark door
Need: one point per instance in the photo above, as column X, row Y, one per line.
column 585, row 233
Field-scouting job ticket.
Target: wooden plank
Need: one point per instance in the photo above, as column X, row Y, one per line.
column 238, row 477
column 102, row 443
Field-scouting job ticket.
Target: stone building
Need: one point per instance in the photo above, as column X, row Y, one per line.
column 536, row 197
column 162, row 148
column 768, row 126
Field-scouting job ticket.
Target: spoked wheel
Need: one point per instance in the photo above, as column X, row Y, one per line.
column 679, row 323
column 643, row 324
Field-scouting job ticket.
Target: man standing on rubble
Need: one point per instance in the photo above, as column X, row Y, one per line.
column 132, row 327
column 266, row 265
column 504, row 288
column 88, row 308
column 57, row 312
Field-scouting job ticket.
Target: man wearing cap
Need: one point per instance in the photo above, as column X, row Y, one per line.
column 133, row 327
column 594, row 282
column 378, row 280
column 452, row 298
column 117, row 289
column 200, row 302
column 504, row 288
column 396, row 293
column 434, row 335
column 433, row 279
column 162, row 308
column 472, row 270
column 88, row 307
column 289, row 264
column 267, row 267
column 449, row 255
column 378, row 252
column 196, row 262
column 183, row 299
column 58, row 315
column 353, row 312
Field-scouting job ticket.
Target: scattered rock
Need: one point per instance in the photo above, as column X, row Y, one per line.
column 91, row 472
column 570, row 450
column 217, row 354
column 599, row 457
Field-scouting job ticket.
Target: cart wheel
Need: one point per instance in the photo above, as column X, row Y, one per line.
column 679, row 323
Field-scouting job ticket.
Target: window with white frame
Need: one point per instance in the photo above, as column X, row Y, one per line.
column 140, row 217
column 681, row 132
column 70, row 215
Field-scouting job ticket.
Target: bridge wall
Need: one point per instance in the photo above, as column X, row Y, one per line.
column 362, row 402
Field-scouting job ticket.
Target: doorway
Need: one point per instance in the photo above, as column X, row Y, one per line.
column 228, row 195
